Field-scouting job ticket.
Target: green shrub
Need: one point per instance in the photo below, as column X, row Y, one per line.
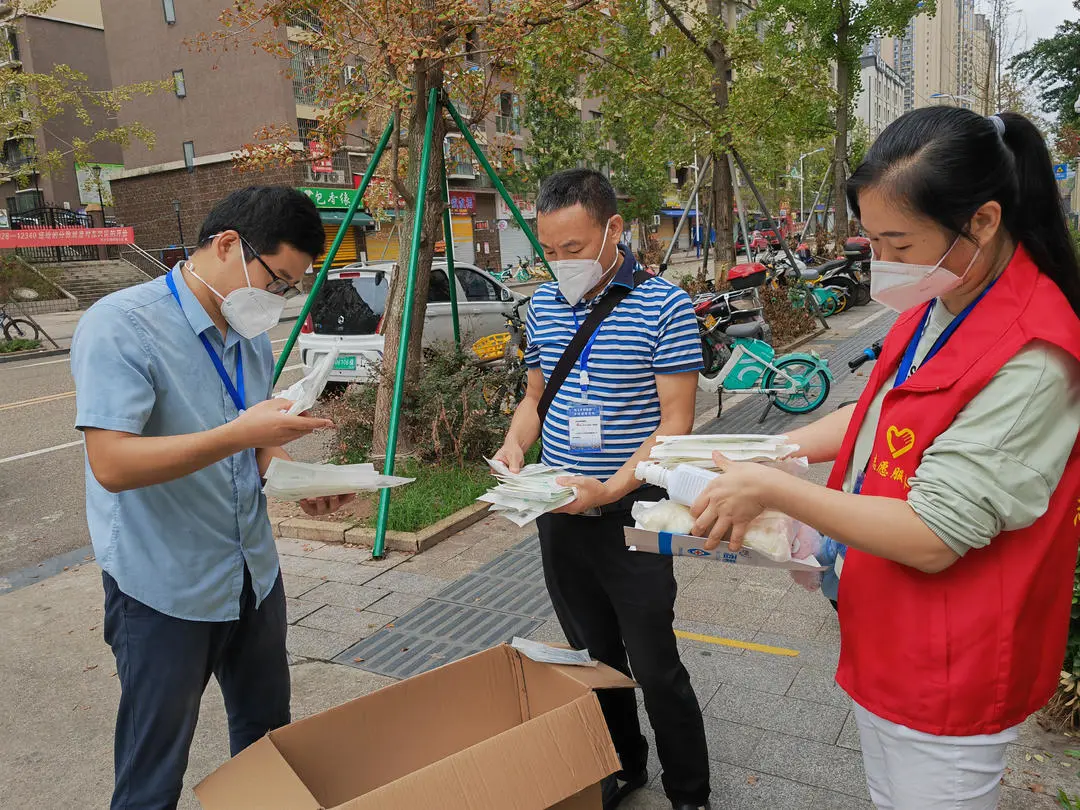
column 18, row 345
column 454, row 413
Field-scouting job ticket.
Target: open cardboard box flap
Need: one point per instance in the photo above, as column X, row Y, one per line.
column 494, row 731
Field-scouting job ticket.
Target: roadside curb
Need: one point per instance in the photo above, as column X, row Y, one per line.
column 340, row 531
column 14, row 356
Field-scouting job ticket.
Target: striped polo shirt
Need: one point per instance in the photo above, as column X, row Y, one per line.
column 652, row 331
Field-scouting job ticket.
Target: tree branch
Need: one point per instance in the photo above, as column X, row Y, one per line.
column 577, row 5
column 693, row 113
column 673, row 15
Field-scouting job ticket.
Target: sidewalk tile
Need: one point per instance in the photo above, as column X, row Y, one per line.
column 340, row 553
column 296, row 609
column 419, row 584
column 297, row 548
column 732, row 743
column 646, row 799
column 1018, row 799
column 815, row 654
column 800, row 600
column 296, row 585
column 352, row 573
column 819, row 686
column 812, row 763
column 830, row 631
column 549, row 632
column 346, row 595
column 849, row 736
column 356, row 624
column 830, row 800
column 746, row 618
column 743, row 789
column 813, row 721
column 307, row 642
column 389, row 560
column 450, row 570
column 764, row 673
column 803, row 625
column 397, row 603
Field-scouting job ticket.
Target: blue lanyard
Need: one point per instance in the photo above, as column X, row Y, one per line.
column 908, row 360
column 237, row 396
column 584, row 381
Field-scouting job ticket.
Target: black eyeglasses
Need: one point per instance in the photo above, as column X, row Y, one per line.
column 279, row 285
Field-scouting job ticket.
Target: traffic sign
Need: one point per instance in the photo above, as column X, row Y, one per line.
column 1061, row 171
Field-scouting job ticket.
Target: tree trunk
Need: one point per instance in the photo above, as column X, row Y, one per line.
column 722, row 193
column 843, row 115
column 430, row 233
column 643, row 238
column 706, row 229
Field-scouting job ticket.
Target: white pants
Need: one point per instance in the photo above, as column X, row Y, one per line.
column 912, row 770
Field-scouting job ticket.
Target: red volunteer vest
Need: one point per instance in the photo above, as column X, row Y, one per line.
column 976, row 648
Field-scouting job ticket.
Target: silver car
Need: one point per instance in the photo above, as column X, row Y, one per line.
column 349, row 310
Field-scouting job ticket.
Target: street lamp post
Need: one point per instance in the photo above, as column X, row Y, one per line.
column 180, row 226
column 802, row 175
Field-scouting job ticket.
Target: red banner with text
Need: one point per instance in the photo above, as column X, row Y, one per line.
column 61, row 237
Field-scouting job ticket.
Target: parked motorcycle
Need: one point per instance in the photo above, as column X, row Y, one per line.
column 723, row 317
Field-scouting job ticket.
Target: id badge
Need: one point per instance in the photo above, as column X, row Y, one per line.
column 585, row 430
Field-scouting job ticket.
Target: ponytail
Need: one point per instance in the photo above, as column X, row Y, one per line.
column 1038, row 221
column 947, row 162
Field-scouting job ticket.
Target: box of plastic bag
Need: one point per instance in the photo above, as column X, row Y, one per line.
column 686, row 545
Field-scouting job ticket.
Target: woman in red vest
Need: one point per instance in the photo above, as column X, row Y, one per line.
column 956, row 483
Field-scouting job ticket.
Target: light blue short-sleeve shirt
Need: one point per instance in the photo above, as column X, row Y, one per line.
column 140, row 367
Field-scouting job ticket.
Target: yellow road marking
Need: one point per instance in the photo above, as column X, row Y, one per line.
column 742, row 645
column 36, row 401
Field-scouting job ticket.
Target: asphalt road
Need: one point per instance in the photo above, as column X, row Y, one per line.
column 42, row 495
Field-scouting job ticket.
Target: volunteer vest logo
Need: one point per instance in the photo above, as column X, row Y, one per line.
column 899, row 441
column 1076, row 517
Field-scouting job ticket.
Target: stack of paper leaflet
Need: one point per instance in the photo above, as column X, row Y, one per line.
column 296, row 481
column 671, row 451
column 522, row 497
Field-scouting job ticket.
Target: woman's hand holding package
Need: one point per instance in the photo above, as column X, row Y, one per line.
column 729, row 502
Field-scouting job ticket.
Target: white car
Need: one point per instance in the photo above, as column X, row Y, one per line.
column 349, row 309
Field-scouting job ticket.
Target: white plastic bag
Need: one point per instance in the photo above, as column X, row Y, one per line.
column 664, row 516
column 305, row 393
column 772, row 534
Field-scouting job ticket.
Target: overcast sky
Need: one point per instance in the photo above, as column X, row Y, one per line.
column 1042, row 18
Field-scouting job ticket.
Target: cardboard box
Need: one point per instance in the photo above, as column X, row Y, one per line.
column 685, row 545
column 494, row 731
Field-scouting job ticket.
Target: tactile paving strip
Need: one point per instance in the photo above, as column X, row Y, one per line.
column 433, row 634
column 512, row 583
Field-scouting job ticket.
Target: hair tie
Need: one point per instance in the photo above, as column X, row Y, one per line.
column 999, row 124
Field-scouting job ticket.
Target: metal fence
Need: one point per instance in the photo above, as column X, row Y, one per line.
column 51, row 217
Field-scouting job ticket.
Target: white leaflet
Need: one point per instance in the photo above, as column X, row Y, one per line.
column 544, row 654
column 305, row 393
column 295, row 480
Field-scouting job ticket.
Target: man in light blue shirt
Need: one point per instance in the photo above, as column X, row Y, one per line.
column 172, row 380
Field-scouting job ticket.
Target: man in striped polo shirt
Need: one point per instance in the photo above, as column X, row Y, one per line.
column 634, row 380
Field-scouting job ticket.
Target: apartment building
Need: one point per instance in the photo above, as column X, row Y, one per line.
column 944, row 58
column 881, row 93
column 69, row 32
column 220, row 99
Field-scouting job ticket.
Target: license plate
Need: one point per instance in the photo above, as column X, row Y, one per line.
column 345, row 363
column 710, row 321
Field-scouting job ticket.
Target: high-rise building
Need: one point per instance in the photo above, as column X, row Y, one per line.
column 881, row 93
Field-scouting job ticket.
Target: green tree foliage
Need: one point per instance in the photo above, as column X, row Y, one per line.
column 1053, row 65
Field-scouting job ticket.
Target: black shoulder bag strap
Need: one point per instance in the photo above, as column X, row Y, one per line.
column 573, row 351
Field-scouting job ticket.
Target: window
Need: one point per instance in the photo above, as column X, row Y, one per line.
column 179, row 86
column 471, row 46
column 308, row 71
column 170, row 11
column 477, row 286
column 189, row 155
column 508, row 119
column 439, row 289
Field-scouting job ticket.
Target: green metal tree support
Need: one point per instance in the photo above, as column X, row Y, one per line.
column 379, row 545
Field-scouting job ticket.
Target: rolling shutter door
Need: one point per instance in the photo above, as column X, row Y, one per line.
column 348, row 251
column 513, row 243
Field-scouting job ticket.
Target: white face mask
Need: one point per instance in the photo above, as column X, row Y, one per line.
column 249, row 310
column 577, row 276
column 902, row 286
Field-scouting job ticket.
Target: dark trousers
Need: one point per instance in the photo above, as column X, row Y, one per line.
column 620, row 604
column 164, row 664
